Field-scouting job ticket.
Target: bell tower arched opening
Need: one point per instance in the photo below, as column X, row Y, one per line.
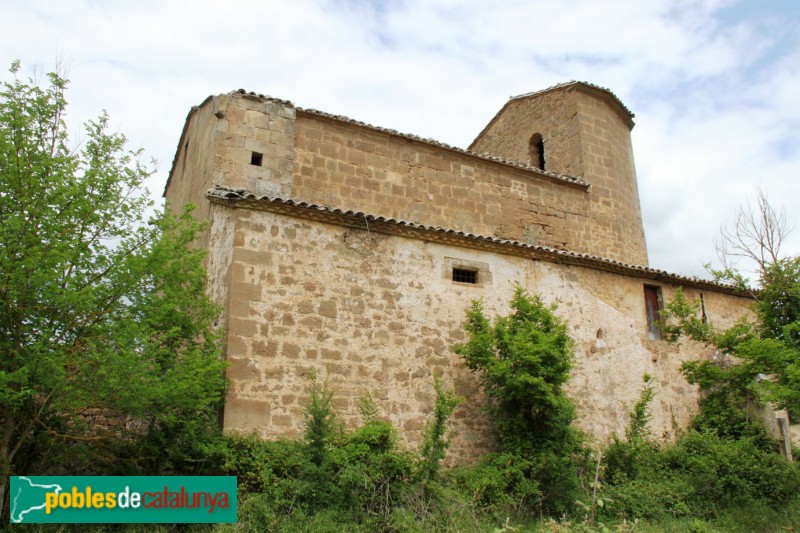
column 536, row 151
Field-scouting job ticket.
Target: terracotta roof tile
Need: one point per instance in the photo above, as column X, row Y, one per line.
column 575, row 82
column 333, row 215
column 626, row 113
column 573, row 180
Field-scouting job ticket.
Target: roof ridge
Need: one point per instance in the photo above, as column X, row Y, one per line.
column 576, row 82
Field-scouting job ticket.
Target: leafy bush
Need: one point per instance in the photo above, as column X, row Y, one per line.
column 750, row 351
column 500, row 481
column 370, row 476
column 332, row 476
column 702, row 475
column 524, row 360
column 526, row 486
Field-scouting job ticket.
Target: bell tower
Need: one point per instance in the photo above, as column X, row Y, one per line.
column 580, row 130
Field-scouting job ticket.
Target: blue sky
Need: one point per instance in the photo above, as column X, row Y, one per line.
column 714, row 83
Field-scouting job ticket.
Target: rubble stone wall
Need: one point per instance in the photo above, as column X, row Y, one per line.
column 380, row 313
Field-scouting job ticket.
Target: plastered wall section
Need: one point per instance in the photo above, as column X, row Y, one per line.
column 378, row 313
column 351, row 167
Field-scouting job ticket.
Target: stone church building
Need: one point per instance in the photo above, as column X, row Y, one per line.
column 355, row 250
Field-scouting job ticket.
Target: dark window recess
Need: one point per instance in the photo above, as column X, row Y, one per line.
column 703, row 308
column 256, row 159
column 537, row 151
column 465, row 276
column 653, row 305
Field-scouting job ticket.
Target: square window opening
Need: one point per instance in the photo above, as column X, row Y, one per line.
column 256, row 159
column 462, row 275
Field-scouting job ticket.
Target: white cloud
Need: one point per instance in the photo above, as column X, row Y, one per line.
column 713, row 83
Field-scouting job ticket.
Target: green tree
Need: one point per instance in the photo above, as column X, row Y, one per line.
column 524, row 361
column 97, row 307
column 759, row 358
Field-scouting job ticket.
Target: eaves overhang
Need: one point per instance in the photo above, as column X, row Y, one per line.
column 240, row 198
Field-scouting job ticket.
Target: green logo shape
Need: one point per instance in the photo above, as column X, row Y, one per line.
column 122, row 499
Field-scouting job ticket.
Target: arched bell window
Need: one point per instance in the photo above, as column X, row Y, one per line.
column 537, row 151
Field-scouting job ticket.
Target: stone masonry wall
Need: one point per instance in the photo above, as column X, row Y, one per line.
column 217, row 147
column 350, row 167
column 268, row 147
column 607, row 158
column 585, row 134
column 553, row 115
column 192, row 171
column 379, row 313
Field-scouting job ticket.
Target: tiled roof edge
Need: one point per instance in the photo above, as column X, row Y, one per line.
column 573, row 180
column 577, row 83
column 558, row 86
column 564, row 178
column 228, row 196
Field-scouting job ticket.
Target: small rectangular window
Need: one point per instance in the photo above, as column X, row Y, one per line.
column 256, row 159
column 653, row 304
column 459, row 271
column 465, row 276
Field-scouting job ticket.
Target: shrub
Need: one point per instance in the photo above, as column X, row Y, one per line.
column 320, row 421
column 524, row 360
column 434, row 441
column 370, row 475
column 702, row 475
column 498, row 482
